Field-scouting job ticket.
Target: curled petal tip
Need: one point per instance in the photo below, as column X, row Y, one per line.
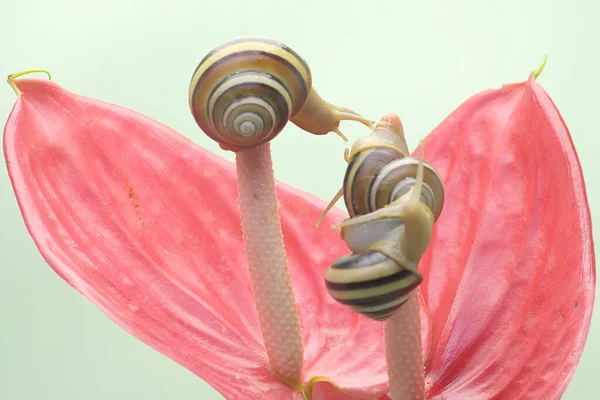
column 12, row 77
column 538, row 71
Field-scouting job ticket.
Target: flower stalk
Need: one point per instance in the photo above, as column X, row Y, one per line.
column 404, row 352
column 269, row 274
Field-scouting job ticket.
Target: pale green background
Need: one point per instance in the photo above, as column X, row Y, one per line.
column 419, row 59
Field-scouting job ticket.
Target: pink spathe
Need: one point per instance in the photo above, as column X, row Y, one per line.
column 146, row 225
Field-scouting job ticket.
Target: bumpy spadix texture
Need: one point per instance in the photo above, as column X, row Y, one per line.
column 146, row 225
column 267, row 262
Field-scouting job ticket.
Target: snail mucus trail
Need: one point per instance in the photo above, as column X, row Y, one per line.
column 243, row 93
column 393, row 200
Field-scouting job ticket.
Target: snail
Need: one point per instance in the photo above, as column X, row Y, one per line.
column 243, row 93
column 393, row 200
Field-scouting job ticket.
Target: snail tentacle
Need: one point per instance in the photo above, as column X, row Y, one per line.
column 393, row 201
column 243, row 93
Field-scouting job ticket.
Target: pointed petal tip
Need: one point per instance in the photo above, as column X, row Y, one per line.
column 11, row 79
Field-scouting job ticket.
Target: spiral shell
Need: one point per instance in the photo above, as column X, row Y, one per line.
column 371, row 283
column 377, row 177
column 244, row 92
column 388, row 229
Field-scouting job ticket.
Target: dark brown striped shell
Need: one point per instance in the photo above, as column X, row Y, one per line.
column 377, row 279
column 243, row 92
column 378, row 176
column 371, row 284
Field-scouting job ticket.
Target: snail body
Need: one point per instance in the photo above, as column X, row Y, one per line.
column 243, row 93
column 393, row 200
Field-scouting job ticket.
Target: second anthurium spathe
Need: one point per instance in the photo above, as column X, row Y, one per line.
column 145, row 224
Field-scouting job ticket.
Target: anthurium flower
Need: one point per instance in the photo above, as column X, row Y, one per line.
column 145, row 224
column 510, row 276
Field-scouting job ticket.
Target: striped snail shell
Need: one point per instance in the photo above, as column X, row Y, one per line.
column 380, row 171
column 393, row 201
column 243, row 93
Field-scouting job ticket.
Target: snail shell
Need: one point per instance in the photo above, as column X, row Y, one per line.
column 243, row 93
column 380, row 171
column 371, row 284
column 378, row 177
column 393, row 201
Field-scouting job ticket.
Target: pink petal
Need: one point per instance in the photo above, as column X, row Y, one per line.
column 510, row 274
column 326, row 391
column 145, row 224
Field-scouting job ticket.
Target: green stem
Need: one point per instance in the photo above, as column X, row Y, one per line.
column 538, row 71
column 12, row 77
